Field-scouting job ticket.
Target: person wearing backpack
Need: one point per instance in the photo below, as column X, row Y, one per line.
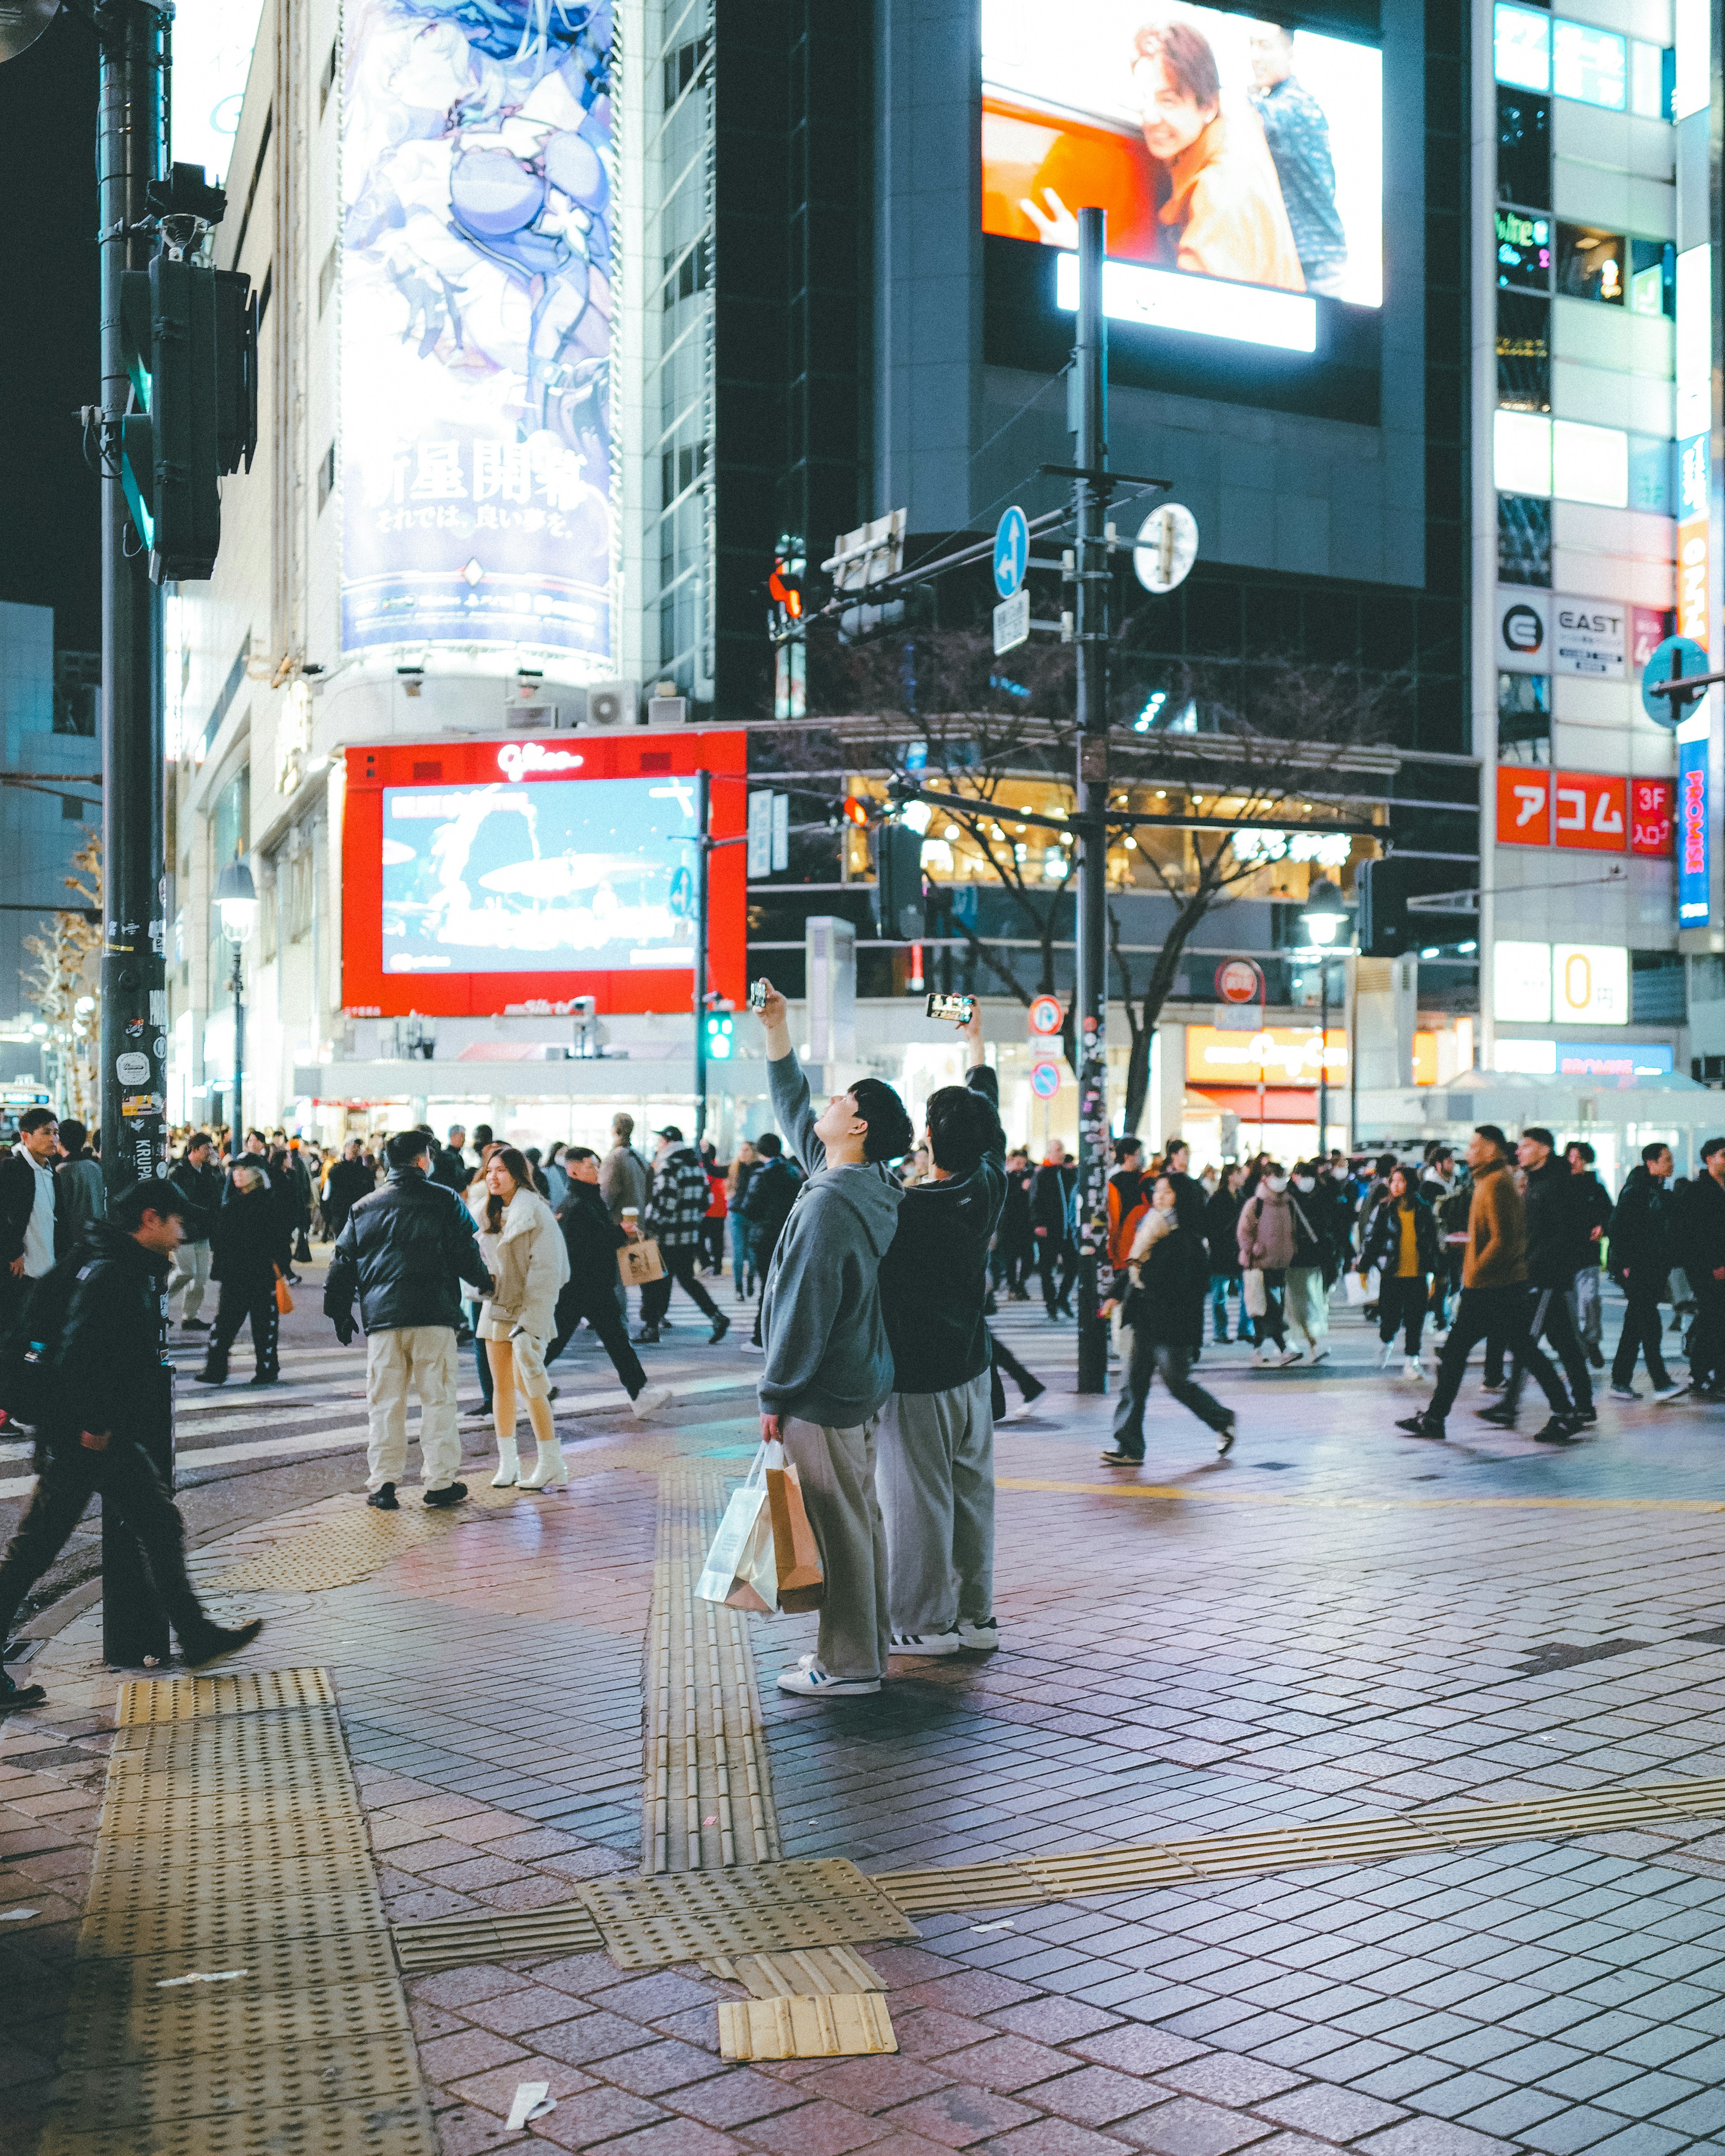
column 97, row 1317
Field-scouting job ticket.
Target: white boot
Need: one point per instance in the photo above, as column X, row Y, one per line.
column 1389, row 1354
column 549, row 1471
column 509, row 1464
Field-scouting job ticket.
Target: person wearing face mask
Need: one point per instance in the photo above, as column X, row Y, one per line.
column 1265, row 1240
column 1641, row 1258
column 1168, row 1267
column 1402, row 1242
column 1307, row 1293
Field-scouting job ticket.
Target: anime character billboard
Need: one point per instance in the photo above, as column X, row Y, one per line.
column 477, row 324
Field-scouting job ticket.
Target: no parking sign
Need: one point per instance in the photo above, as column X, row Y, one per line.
column 1044, row 1079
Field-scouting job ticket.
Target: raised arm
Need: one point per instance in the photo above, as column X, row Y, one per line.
column 789, row 1088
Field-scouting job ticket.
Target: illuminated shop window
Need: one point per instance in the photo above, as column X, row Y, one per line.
column 1522, row 46
column 1524, row 353
column 1653, row 278
column 1524, row 250
column 1524, row 718
column 1589, row 464
column 1591, row 264
column 1524, row 540
column 1520, row 453
column 1590, row 64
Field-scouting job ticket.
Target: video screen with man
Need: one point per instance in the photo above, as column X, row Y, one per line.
column 1220, row 146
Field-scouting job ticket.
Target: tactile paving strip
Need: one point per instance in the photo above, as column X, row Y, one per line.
column 565, row 1928
column 842, row 2025
column 234, row 1992
column 1344, row 1841
column 351, row 1546
column 765, row 1909
column 707, row 1793
column 811, row 1974
column 157, row 1700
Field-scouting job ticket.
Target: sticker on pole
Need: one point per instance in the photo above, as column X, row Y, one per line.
column 1661, row 665
column 1012, row 551
column 132, row 1070
column 1044, row 1079
column 1237, row 981
column 1047, row 1016
column 1165, row 547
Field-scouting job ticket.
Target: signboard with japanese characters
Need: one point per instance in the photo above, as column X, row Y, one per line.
column 1589, row 811
column 1588, row 638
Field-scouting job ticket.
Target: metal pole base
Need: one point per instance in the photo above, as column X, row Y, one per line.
column 1092, row 1331
column 135, row 1628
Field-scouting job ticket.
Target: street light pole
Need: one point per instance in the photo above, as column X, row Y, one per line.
column 237, row 1106
column 237, row 903
column 1089, row 496
column 131, row 143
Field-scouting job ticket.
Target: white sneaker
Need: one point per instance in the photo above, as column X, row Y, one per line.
column 1661, row 1393
column 1288, row 1355
column 1415, row 1368
column 1260, row 1360
column 810, row 1676
column 1320, row 1355
column 927, row 1644
column 650, row 1399
column 1625, row 1392
column 979, row 1639
column 1389, row 1355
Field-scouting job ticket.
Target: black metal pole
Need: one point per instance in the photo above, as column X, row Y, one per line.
column 1091, row 629
column 132, row 151
column 1323, row 1054
column 701, row 956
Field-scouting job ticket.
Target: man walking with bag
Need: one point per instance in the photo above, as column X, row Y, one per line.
column 198, row 1181
column 829, row 1368
column 593, row 1240
column 402, row 1252
column 935, row 1472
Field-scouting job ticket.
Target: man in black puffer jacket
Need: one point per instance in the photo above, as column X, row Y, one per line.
column 106, row 1368
column 1553, row 1201
column 593, row 1240
column 402, row 1251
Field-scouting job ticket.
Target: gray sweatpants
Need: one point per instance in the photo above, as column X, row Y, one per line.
column 937, row 1481
column 837, row 1471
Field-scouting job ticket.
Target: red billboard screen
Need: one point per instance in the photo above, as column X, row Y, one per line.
column 479, row 874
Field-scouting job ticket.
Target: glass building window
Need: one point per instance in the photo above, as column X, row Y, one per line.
column 1653, row 278
column 1591, row 264
column 1524, row 718
column 1652, row 475
column 1651, row 72
column 1520, row 453
column 1590, row 65
column 1524, row 540
column 1524, row 248
column 1524, row 353
column 1589, row 464
column 1524, row 148
column 1521, row 39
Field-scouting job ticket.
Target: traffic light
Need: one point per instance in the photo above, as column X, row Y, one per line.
column 1380, row 891
column 898, row 874
column 784, row 589
column 718, row 1036
column 189, row 336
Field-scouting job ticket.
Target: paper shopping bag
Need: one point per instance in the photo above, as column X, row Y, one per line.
column 640, row 1262
column 1253, row 1293
column 739, row 1569
column 802, row 1582
column 1361, row 1288
column 283, row 1295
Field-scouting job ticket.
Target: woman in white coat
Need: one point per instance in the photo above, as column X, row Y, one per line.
column 523, row 1246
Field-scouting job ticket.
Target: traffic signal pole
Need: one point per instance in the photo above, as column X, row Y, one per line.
column 1090, row 497
column 131, row 147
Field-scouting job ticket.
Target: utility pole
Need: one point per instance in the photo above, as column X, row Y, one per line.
column 1094, row 574
column 131, row 154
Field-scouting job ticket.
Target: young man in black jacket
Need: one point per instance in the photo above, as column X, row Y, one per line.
column 1551, row 1201
column 935, row 1463
column 34, row 1210
column 1592, row 1217
column 198, row 1181
column 1702, row 1249
column 106, row 1364
column 1641, row 1258
column 402, row 1251
column 1051, row 1223
column 1169, row 1264
column 593, row 1240
column 772, row 1193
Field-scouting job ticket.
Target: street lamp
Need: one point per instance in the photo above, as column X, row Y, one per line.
column 237, row 903
column 1324, row 917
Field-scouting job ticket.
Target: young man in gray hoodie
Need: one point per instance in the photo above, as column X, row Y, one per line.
column 828, row 1368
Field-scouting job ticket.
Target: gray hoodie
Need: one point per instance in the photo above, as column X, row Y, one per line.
column 827, row 1357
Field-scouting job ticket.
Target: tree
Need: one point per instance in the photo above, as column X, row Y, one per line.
column 68, row 974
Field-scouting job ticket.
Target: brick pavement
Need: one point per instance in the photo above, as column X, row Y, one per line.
column 1308, row 1636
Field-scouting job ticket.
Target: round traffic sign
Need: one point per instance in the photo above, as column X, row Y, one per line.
column 1165, row 547
column 1237, row 981
column 1660, row 666
column 1047, row 1016
column 1044, row 1079
column 1012, row 551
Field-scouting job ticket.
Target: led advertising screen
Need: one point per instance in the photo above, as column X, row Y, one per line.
column 213, row 56
column 1224, row 147
column 478, row 875
column 476, row 325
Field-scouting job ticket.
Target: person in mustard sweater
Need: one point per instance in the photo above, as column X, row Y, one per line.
column 1495, row 1295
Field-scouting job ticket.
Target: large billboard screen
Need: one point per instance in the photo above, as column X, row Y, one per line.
column 478, row 875
column 476, row 325
column 1224, row 147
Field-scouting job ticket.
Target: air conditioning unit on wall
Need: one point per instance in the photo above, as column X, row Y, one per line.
column 614, row 704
